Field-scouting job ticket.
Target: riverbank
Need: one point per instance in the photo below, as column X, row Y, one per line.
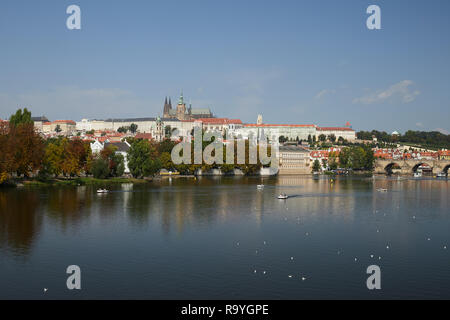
column 84, row 181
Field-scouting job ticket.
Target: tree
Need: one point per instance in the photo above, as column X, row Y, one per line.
column 20, row 117
column 166, row 161
column 332, row 138
column 332, row 163
column 7, row 163
column 316, row 166
column 58, row 128
column 116, row 165
column 100, row 168
column 167, row 131
column 53, row 159
column 357, row 157
column 140, row 160
column 115, row 161
column 133, row 128
column 123, row 130
column 67, row 157
column 166, row 146
column 282, row 139
column 322, row 137
column 28, row 148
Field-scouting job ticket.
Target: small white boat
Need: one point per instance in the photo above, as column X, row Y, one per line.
column 441, row 175
column 102, row 191
column 417, row 174
column 283, row 196
column 260, row 186
column 382, row 190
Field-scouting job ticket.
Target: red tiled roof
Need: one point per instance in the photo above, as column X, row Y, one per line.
column 279, row 125
column 219, row 121
column 334, row 129
column 147, row 136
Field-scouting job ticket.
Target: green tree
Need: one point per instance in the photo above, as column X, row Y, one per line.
column 166, row 161
column 167, row 131
column 123, row 130
column 322, row 137
column 116, row 165
column 100, row 169
column 133, row 128
column 316, row 166
column 20, row 117
column 140, row 159
column 58, row 128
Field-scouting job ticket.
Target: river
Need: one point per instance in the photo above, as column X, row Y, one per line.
column 221, row 238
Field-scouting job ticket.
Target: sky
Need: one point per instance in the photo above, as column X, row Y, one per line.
column 299, row 62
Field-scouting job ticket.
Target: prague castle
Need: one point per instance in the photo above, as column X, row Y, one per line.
column 183, row 113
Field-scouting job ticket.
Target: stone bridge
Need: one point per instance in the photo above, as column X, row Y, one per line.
column 410, row 166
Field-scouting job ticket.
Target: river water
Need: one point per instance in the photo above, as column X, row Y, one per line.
column 221, row 238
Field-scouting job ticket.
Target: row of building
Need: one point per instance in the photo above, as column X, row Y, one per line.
column 185, row 119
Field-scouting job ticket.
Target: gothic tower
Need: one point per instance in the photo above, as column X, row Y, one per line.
column 167, row 108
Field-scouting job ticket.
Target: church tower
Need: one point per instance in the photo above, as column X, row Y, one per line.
column 181, row 108
column 167, row 108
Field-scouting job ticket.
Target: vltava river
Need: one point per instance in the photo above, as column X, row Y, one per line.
column 221, row 238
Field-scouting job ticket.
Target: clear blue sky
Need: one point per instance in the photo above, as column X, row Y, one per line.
column 292, row 61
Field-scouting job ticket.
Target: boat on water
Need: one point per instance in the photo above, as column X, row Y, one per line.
column 102, row 191
column 441, row 175
column 417, row 174
column 260, row 186
column 382, row 190
column 283, row 196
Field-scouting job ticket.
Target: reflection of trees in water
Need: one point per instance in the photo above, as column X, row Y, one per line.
column 20, row 221
column 68, row 206
column 182, row 202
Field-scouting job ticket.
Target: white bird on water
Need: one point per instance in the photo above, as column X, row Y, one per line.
column 45, row 289
column 303, row 278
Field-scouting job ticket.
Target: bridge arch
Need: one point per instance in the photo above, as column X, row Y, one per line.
column 423, row 167
column 446, row 168
column 392, row 167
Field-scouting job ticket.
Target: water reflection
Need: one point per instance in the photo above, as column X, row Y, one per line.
column 185, row 204
column 20, row 221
